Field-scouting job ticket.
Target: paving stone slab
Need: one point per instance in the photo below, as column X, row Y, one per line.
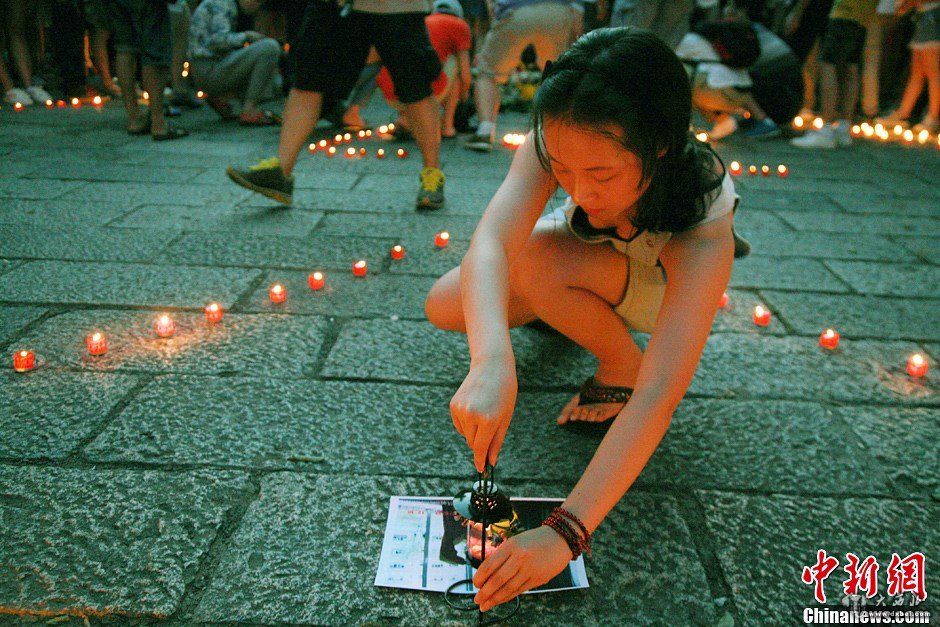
column 886, row 279
column 821, row 187
column 457, row 187
column 47, row 414
column 38, row 189
column 308, row 181
column 763, row 544
column 777, row 445
column 417, row 352
column 784, row 274
column 388, row 202
column 123, row 284
column 60, row 212
column 420, row 228
column 94, row 170
column 382, row 295
column 259, row 221
column 271, row 565
column 903, row 440
column 267, row 251
column 79, row 243
column 790, row 199
column 423, row 258
column 855, row 202
column 748, row 221
column 797, row 368
column 825, row 246
column 12, row 319
column 7, row 265
column 926, row 248
column 107, row 542
column 252, row 345
column 855, row 224
column 136, row 194
column 810, row 313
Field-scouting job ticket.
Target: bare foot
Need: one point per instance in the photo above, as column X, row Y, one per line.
column 595, row 412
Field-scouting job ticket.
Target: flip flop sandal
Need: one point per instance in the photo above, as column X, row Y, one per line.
column 222, row 107
column 171, row 134
column 592, row 393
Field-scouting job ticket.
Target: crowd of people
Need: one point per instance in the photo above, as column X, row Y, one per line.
column 752, row 65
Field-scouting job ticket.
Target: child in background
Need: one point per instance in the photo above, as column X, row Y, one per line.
column 839, row 59
column 647, row 201
column 925, row 66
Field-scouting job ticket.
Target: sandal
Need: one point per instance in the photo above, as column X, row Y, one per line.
column 592, row 393
column 171, row 133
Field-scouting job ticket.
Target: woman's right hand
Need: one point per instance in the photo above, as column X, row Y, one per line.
column 482, row 408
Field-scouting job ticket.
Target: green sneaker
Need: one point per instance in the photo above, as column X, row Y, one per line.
column 267, row 178
column 431, row 194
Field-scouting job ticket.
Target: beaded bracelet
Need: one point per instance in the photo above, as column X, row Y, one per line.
column 559, row 519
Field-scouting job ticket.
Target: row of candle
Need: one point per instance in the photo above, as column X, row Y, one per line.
column 76, row 103
column 165, row 327
column 737, row 169
column 876, row 131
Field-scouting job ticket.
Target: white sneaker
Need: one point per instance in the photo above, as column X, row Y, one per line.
column 38, row 94
column 823, row 139
column 15, row 95
column 843, row 132
column 723, row 127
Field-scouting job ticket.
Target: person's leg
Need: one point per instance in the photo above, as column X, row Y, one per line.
column 67, row 45
column 672, row 20
column 101, row 59
column 914, row 86
column 300, row 117
column 931, row 65
column 871, row 65
column 425, row 120
column 499, row 54
column 828, row 91
column 247, row 72
column 848, row 91
column 179, row 34
column 450, row 108
column 126, row 66
column 572, row 286
column 16, row 39
column 155, row 79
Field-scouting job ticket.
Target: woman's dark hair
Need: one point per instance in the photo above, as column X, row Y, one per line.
column 629, row 79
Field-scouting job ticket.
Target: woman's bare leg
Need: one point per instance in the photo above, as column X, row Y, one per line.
column 572, row 286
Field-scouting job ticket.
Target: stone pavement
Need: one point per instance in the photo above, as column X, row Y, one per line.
column 240, row 474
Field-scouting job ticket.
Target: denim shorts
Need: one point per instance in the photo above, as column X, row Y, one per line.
column 927, row 30
column 843, row 43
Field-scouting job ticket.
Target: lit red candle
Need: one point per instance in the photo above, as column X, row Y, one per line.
column 402, row 153
column 200, row 94
column 383, row 129
column 76, row 103
column 312, row 148
column 398, row 251
column 736, row 168
column 331, row 151
column 277, row 293
column 917, row 365
column 380, row 153
column 350, row 153
column 723, row 302
column 18, row 106
column 391, row 127
column 347, row 137
column 96, row 343
column 442, row 239
column 362, row 152
column 165, row 327
column 50, row 104
column 368, row 132
column 783, row 171
column 761, row 316
column 818, row 123
column 338, row 138
column 765, row 170
column 24, row 361
column 214, row 312
column 360, row 268
column 702, row 136
column 60, row 104
column 752, row 170
column 361, row 134
column 323, row 144
column 96, row 101
column 829, row 339
column 316, row 281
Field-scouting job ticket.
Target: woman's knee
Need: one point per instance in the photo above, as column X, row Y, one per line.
column 268, row 47
column 442, row 305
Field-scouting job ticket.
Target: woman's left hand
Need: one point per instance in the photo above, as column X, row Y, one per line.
column 523, row 562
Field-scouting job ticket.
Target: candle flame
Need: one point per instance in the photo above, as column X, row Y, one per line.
column 277, row 289
column 96, row 337
column 383, row 129
column 24, row 353
column 200, row 94
column 96, row 100
column 781, row 169
column 361, row 263
column 818, row 123
column 445, row 235
column 338, row 138
column 760, row 311
column 917, row 359
column 898, row 129
column 923, row 136
column 798, row 122
column 702, row 137
column 908, row 135
column 391, row 126
column 380, row 152
column 317, row 275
